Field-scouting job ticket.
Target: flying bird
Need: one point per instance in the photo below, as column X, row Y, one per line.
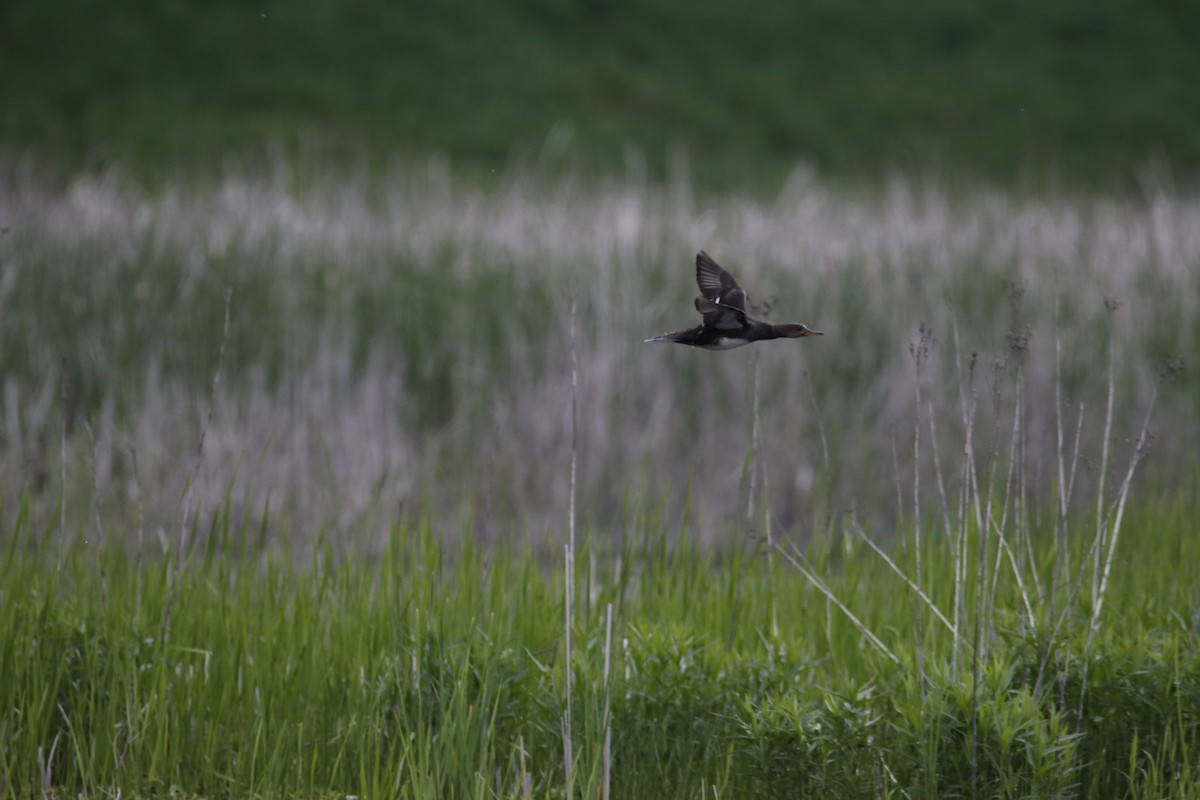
column 724, row 323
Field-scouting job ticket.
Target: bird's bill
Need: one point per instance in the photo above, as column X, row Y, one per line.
column 813, row 333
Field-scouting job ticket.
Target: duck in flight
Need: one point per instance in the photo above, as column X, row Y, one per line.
column 724, row 323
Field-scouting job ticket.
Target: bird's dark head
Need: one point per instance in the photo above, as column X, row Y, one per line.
column 794, row 330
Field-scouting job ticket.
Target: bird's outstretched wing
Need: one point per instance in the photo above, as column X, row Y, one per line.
column 717, row 285
column 720, row 316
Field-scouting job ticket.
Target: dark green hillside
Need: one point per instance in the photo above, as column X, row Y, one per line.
column 1088, row 91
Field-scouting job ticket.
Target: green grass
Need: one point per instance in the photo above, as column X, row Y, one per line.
column 425, row 670
column 1035, row 92
column 286, row 464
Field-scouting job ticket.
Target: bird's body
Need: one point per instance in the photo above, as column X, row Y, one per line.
column 724, row 323
column 719, row 343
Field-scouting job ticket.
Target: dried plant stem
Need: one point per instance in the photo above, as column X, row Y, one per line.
column 1020, row 506
column 959, row 531
column 793, row 556
column 1118, row 511
column 1066, row 481
column 969, row 499
column 1108, row 524
column 920, row 354
column 916, row 587
column 568, row 592
column 569, row 563
column 574, row 425
column 1003, row 548
column 1106, row 441
column 607, row 774
column 937, row 469
column 986, row 609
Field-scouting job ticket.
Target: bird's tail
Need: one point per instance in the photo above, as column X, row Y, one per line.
column 674, row 336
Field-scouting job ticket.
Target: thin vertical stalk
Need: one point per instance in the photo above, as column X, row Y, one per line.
column 569, row 561
column 970, row 500
column 987, row 513
column 568, row 745
column 1116, row 514
column 959, row 536
column 574, row 426
column 1013, row 475
column 606, row 778
column 1110, row 305
column 920, row 354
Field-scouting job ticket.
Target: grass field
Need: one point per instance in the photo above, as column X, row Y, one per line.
column 448, row 670
column 292, row 460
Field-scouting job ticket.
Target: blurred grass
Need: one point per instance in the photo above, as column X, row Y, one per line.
column 1031, row 92
column 424, row 670
column 405, row 346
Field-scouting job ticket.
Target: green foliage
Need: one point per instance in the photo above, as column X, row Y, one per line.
column 438, row 671
column 1089, row 92
column 800, row 743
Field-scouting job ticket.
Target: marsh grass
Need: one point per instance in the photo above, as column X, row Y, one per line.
column 388, row 337
column 438, row 669
column 287, row 471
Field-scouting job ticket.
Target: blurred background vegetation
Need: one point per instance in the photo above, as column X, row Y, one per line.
column 1026, row 91
column 404, row 199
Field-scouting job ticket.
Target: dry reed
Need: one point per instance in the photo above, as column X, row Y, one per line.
column 333, row 441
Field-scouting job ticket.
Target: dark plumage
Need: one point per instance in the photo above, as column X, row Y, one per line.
column 724, row 324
